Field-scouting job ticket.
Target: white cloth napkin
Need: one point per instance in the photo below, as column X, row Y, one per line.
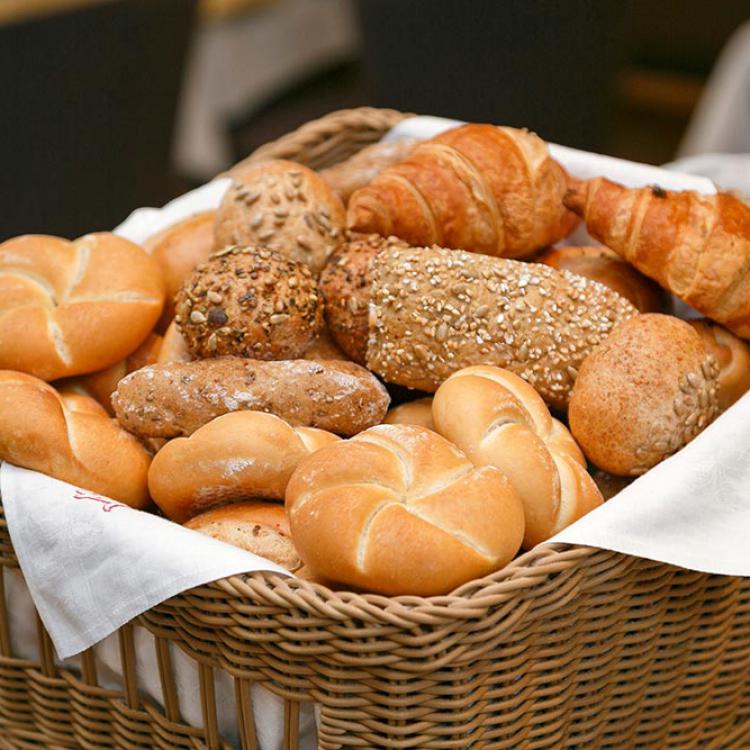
column 92, row 564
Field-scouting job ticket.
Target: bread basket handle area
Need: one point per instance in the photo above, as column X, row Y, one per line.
column 328, row 140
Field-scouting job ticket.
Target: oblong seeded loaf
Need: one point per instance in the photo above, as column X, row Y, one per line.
column 434, row 311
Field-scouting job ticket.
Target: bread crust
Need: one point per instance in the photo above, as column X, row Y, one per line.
column 71, row 438
column 245, row 454
column 178, row 249
column 400, row 510
column 417, row 412
column 481, row 188
column 601, row 264
column 435, row 311
column 260, row 528
column 282, row 206
column 71, row 308
column 249, row 302
column 733, row 357
column 345, row 285
column 359, row 170
column 172, row 400
column 647, row 391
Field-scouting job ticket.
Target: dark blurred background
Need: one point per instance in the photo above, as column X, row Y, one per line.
column 112, row 104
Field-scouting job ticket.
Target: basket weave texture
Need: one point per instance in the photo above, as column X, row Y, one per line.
column 567, row 647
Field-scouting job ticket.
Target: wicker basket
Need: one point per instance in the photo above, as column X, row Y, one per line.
column 568, row 647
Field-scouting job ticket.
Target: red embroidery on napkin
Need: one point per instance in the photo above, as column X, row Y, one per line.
column 107, row 505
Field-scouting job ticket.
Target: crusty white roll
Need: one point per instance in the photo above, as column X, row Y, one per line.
column 174, row 347
column 178, row 249
column 69, row 308
column 101, row 385
column 260, row 528
column 643, row 394
column 245, row 454
column 497, row 418
column 417, row 412
column 71, row 438
column 400, row 510
column 733, row 357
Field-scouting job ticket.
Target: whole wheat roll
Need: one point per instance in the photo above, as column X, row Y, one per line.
column 498, row 419
column 69, row 437
column 435, row 311
column 647, row 391
column 171, row 400
column 246, row 454
column 260, row 528
column 400, row 510
column 70, row 308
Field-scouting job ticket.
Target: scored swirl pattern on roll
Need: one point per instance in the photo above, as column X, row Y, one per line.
column 497, row 418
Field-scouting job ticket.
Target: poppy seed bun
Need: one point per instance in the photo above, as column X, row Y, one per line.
column 284, row 207
column 647, row 391
column 251, row 303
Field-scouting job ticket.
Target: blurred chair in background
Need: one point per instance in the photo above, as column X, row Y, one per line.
column 89, row 98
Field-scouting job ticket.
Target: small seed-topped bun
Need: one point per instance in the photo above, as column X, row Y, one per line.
column 647, row 391
column 285, row 207
column 436, row 311
column 345, row 285
column 249, row 302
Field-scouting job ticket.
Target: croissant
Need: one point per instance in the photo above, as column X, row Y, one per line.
column 696, row 246
column 481, row 188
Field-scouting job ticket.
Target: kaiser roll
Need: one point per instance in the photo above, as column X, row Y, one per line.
column 400, row 510
column 417, row 412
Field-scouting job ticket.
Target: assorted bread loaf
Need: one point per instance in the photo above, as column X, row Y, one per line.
column 287, row 318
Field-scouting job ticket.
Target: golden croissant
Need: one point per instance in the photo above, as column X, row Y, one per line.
column 481, row 188
column 696, row 246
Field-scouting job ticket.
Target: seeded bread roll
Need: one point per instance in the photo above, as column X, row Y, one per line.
column 249, row 302
column 436, row 311
column 176, row 399
column 260, row 528
column 733, row 357
column 607, row 267
column 173, row 347
column 345, row 286
column 358, row 170
column 647, row 391
column 285, row 207
column 609, row 484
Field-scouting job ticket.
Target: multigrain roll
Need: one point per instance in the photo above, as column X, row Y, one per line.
column 70, row 308
column 260, row 528
column 284, row 207
column 417, row 412
column 345, row 286
column 400, row 510
column 733, row 357
column 178, row 249
column 246, row 454
column 435, row 311
column 249, row 302
column 647, row 391
column 359, row 170
column 70, row 437
column 601, row 264
column 171, row 400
